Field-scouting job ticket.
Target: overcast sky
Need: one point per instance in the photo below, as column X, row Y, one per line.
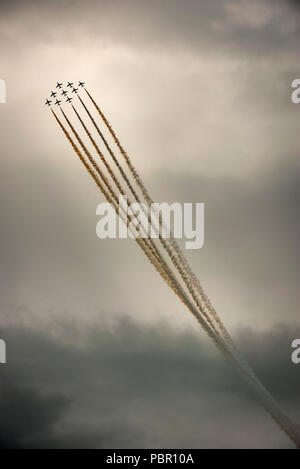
column 199, row 93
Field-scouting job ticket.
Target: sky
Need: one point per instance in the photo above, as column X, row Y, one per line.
column 199, row 93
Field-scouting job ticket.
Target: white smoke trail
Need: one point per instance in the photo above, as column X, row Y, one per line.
column 156, row 259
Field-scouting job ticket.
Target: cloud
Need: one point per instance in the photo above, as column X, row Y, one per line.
column 232, row 25
column 137, row 387
column 200, row 93
column 251, row 228
column 26, row 414
column 52, row 260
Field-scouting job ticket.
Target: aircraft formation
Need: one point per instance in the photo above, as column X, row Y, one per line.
column 60, row 92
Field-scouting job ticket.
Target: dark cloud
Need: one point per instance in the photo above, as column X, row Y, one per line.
column 295, row 3
column 27, row 415
column 137, row 387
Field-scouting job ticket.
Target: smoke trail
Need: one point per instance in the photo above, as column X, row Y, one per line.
column 267, row 400
column 156, row 257
column 149, row 242
column 123, row 152
column 153, row 246
column 147, row 248
column 170, row 245
column 102, row 157
column 109, row 195
column 115, row 179
column 195, row 282
column 109, row 150
column 82, row 159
